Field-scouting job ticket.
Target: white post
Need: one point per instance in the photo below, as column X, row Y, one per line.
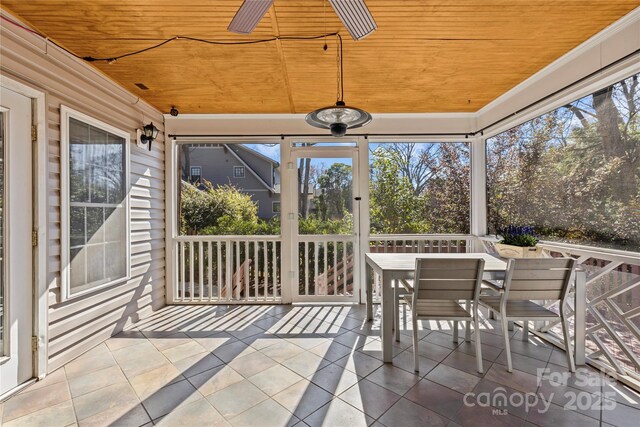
column 361, row 208
column 478, row 225
column 288, row 210
column 171, row 212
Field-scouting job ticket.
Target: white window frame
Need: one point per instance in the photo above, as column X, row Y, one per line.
column 65, row 114
column 238, row 168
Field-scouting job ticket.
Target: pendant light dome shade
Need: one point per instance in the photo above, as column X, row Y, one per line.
column 338, row 118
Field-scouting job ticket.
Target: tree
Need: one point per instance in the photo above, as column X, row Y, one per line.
column 220, row 210
column 393, row 205
column 334, row 201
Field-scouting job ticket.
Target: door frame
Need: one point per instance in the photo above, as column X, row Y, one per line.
column 289, row 209
column 40, row 173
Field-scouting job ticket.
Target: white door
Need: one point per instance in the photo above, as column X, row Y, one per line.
column 327, row 206
column 16, row 282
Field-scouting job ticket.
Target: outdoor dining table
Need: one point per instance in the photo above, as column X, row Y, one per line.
column 395, row 266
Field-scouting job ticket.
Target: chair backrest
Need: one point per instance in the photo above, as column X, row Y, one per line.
column 448, row 279
column 538, row 278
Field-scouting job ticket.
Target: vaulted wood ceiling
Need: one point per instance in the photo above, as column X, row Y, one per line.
column 426, row 56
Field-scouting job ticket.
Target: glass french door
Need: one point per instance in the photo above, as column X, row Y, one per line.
column 16, row 282
column 327, row 219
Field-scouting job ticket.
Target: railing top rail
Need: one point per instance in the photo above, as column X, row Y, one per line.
column 326, row 237
column 227, row 238
column 594, row 251
column 420, row 236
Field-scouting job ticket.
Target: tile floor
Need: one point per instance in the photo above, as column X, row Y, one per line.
column 311, row 365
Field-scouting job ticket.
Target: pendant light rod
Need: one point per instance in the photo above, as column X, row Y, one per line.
column 340, row 69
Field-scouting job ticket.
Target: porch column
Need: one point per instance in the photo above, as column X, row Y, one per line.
column 478, row 220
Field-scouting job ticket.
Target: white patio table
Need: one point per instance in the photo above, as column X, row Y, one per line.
column 395, row 266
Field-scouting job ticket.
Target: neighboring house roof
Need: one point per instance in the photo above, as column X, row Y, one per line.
column 250, row 169
column 239, row 149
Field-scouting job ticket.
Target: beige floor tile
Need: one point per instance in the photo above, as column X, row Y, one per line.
column 183, row 351
column 407, row 413
column 370, row 398
column 307, row 342
column 282, row 350
column 169, row 398
column 266, row 414
column 306, row 364
column 246, row 331
column 52, row 416
column 236, row 398
column 436, row 397
column 118, row 416
column 302, row 398
column 125, row 339
column 134, row 364
column 338, row 413
column 359, row 363
column 95, row 359
column 96, row 380
column 233, row 350
column 192, row 365
column 208, row 382
column 52, row 378
column 151, row 381
column 36, row 400
column 453, row 378
column 116, row 398
column 275, row 379
column 252, row 364
column 173, row 340
column 213, row 342
column 334, row 379
column 517, row 379
column 395, row 379
column 331, row 351
column 195, row 414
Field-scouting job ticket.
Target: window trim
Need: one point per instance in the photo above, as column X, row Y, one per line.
column 67, row 113
column 238, row 168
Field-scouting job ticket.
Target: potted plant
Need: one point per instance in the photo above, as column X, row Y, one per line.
column 518, row 242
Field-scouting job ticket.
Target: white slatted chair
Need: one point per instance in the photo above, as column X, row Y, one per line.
column 439, row 285
column 532, row 279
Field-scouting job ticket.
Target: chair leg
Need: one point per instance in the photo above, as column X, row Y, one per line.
column 507, row 347
column 476, row 327
column 525, row 331
column 396, row 312
column 414, row 323
column 455, row 331
column 567, row 340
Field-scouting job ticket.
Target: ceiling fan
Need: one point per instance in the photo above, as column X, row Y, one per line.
column 354, row 14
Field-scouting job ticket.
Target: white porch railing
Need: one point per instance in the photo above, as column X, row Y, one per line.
column 227, row 269
column 612, row 304
column 326, row 265
column 417, row 243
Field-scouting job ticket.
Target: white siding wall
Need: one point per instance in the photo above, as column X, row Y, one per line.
column 78, row 324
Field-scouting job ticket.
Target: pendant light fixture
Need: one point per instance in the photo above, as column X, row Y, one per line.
column 339, row 117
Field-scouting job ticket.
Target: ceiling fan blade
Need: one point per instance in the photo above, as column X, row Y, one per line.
column 248, row 16
column 355, row 16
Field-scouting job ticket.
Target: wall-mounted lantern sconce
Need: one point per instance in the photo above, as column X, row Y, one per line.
column 147, row 135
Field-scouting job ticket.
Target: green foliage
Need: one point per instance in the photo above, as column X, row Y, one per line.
column 573, row 173
column 217, row 210
column 335, row 199
column 519, row 236
column 314, row 225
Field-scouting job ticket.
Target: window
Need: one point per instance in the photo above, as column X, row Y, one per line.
column 95, row 212
column 238, row 171
column 419, row 188
column 196, row 174
column 275, row 207
column 572, row 173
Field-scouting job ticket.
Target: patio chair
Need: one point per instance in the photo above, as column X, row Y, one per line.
column 438, row 286
column 532, row 279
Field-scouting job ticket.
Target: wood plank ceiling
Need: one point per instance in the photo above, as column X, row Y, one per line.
column 426, row 56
